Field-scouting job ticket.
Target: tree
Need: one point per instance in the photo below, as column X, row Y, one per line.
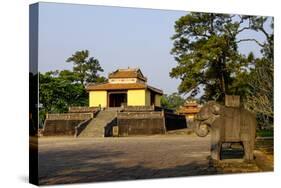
column 206, row 52
column 260, row 96
column 86, row 69
column 57, row 92
column 172, row 101
column 60, row 89
column 257, row 23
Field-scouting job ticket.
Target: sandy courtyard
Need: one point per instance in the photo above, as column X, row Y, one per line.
column 69, row 160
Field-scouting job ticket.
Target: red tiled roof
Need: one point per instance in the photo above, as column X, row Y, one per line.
column 188, row 111
column 189, row 107
column 120, row 86
column 190, row 104
column 127, row 73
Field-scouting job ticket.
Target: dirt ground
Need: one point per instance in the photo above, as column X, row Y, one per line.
column 70, row 160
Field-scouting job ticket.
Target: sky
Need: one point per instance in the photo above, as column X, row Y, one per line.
column 117, row 37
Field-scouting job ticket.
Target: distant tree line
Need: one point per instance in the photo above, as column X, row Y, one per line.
column 206, row 51
column 172, row 101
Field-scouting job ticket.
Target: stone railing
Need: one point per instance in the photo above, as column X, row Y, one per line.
column 138, row 108
column 69, row 116
column 81, row 126
column 82, row 109
column 145, row 109
column 137, row 115
column 108, row 129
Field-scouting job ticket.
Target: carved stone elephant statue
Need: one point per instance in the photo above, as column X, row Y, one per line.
column 227, row 125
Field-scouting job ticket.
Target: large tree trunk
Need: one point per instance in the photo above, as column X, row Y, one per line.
column 223, row 76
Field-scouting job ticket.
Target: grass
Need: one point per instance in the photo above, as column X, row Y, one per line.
column 265, row 133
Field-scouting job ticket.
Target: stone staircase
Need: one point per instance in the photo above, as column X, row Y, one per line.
column 96, row 127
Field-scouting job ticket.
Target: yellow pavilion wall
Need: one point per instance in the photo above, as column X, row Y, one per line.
column 147, row 98
column 97, row 98
column 140, row 97
column 136, row 97
column 158, row 100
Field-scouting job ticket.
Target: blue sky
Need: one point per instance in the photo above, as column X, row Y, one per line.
column 117, row 37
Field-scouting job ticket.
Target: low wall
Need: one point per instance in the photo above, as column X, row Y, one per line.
column 145, row 109
column 138, row 108
column 140, row 123
column 148, row 123
column 64, row 124
column 69, row 116
column 83, row 109
column 60, row 127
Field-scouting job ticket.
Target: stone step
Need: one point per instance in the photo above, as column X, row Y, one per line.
column 95, row 128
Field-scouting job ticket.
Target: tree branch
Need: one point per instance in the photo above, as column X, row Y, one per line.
column 244, row 28
column 253, row 40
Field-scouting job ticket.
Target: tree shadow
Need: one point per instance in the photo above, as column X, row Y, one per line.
column 63, row 167
column 100, row 164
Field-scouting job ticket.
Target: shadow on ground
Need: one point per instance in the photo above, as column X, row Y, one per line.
column 63, row 161
column 62, row 167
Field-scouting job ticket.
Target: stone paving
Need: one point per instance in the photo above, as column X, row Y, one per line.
column 70, row 160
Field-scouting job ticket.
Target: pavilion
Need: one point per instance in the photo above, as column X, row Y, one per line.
column 124, row 87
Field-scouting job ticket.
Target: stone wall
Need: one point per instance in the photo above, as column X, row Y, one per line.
column 140, row 123
column 83, row 109
column 64, row 124
column 145, row 109
column 60, row 127
column 148, row 123
column 138, row 108
column 137, row 120
column 69, row 116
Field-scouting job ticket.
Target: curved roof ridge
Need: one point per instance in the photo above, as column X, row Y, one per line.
column 127, row 73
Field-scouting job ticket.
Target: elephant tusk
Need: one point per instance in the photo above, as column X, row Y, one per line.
column 200, row 118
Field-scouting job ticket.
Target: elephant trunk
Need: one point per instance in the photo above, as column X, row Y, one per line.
column 201, row 129
column 200, row 117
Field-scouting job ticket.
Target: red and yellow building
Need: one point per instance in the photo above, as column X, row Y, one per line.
column 189, row 109
column 124, row 86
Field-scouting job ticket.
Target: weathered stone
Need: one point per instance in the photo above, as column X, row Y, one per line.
column 60, row 127
column 227, row 124
column 148, row 122
column 232, row 100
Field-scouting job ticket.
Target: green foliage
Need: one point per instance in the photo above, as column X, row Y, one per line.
column 259, row 97
column 58, row 92
column 204, row 48
column 206, row 52
column 172, row 101
column 60, row 89
column 85, row 69
column 265, row 133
